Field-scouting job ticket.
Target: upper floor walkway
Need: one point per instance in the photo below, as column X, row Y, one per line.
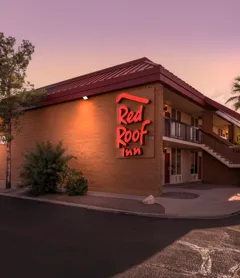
column 222, row 149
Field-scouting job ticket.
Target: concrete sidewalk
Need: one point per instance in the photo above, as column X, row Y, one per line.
column 210, row 203
column 193, row 202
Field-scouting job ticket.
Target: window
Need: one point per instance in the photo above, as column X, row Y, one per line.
column 179, row 116
column 176, row 162
column 176, row 115
column 194, row 122
column 220, row 132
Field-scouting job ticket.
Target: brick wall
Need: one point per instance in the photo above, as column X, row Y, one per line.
column 207, row 121
column 88, row 130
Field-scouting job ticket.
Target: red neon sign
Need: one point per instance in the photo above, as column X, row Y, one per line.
column 131, row 97
column 126, row 116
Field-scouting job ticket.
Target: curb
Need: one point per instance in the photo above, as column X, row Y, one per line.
column 118, row 211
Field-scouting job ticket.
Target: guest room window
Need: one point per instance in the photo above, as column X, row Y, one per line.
column 194, row 122
column 176, row 115
column 176, row 161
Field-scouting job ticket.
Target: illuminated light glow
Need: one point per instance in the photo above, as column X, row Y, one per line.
column 124, row 135
column 127, row 117
column 85, row 97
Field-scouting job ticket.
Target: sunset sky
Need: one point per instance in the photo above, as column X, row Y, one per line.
column 198, row 40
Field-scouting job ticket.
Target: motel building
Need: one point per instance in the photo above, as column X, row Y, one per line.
column 135, row 128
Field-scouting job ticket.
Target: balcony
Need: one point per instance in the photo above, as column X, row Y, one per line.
column 210, row 142
column 181, row 131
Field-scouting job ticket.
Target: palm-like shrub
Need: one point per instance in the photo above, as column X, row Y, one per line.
column 45, row 168
column 236, row 91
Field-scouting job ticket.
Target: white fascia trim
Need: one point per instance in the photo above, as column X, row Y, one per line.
column 169, row 139
column 228, row 118
column 204, row 147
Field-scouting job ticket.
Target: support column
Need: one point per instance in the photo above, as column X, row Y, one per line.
column 159, row 131
column 207, row 121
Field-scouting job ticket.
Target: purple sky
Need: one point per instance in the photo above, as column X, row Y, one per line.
column 198, row 40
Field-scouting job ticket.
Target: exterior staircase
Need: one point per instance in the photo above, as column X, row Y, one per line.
column 221, row 158
column 221, row 149
column 225, row 152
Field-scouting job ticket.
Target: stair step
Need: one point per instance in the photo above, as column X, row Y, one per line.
column 219, row 156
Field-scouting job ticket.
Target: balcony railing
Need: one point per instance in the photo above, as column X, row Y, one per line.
column 181, row 131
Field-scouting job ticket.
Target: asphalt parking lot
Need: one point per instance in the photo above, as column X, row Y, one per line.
column 45, row 240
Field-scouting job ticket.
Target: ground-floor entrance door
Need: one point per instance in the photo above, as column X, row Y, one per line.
column 199, row 167
column 167, row 168
column 176, row 165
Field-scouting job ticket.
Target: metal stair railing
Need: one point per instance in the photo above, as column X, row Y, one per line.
column 223, row 149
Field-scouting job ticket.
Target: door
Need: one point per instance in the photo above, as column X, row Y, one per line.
column 200, row 167
column 194, row 166
column 176, row 171
column 167, row 168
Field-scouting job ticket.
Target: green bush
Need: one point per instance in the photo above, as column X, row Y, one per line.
column 45, row 168
column 76, row 183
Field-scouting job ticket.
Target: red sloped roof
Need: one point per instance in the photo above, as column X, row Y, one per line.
column 133, row 73
column 122, row 76
column 102, row 75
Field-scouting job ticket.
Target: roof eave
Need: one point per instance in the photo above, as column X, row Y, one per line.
column 137, row 79
column 220, row 107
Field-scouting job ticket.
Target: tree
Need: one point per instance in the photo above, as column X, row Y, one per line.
column 236, row 92
column 15, row 92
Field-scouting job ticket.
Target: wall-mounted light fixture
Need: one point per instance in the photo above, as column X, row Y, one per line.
column 165, row 150
column 165, row 107
column 85, row 97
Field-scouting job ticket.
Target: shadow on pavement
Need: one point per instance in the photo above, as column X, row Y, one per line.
column 45, row 240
